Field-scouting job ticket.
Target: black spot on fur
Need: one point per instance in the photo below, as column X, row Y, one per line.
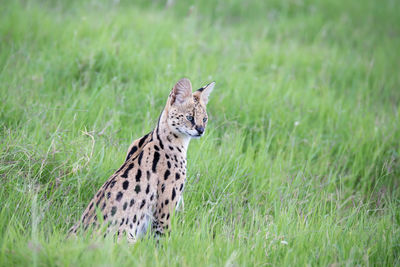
column 108, row 195
column 137, row 189
column 140, row 158
column 180, row 189
column 158, row 136
column 166, row 155
column 177, row 176
column 134, row 219
column 167, row 216
column 112, row 184
column 159, row 233
column 138, row 175
column 166, row 174
column 125, row 185
column 141, row 141
column 156, row 148
column 133, row 150
column 132, row 202
column 106, row 185
column 126, row 172
column 169, row 164
column 113, row 210
column 162, row 216
column 91, row 206
column 152, row 197
column 125, row 205
column 155, row 161
column 148, row 175
column 162, row 188
column 166, row 202
column 119, row 196
column 178, row 149
column 173, row 193
column 170, row 147
column 143, row 203
column 148, row 188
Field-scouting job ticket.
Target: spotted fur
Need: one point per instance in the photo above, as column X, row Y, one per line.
column 148, row 186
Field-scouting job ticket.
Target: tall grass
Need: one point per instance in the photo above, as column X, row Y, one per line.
column 300, row 164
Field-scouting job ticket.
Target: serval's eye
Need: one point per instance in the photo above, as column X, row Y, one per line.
column 205, row 119
column 190, row 118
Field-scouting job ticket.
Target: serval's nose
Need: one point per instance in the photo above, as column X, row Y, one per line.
column 200, row 129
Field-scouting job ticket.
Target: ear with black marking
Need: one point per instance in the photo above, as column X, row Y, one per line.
column 205, row 92
column 181, row 92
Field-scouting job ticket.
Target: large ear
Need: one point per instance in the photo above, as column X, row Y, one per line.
column 205, row 92
column 181, row 92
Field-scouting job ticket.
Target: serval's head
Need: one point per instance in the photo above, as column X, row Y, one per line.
column 187, row 113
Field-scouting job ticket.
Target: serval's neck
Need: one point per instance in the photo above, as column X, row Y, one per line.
column 169, row 140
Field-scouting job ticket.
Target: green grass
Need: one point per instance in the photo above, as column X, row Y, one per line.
column 300, row 164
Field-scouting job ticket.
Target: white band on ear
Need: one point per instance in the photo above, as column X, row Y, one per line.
column 181, row 91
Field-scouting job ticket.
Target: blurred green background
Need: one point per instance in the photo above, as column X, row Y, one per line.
column 300, row 164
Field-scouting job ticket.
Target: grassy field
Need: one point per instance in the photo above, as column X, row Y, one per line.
column 300, row 164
